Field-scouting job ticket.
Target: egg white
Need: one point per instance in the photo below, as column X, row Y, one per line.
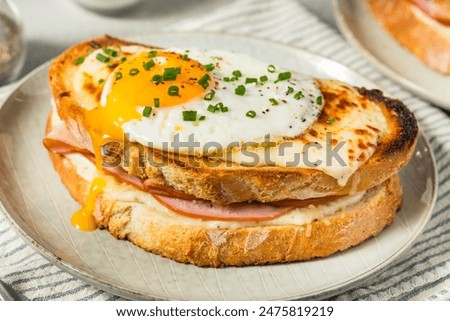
column 289, row 118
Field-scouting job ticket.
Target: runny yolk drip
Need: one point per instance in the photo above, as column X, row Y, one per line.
column 83, row 219
column 139, row 82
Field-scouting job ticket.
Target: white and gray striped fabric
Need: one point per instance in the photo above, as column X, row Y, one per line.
column 422, row 274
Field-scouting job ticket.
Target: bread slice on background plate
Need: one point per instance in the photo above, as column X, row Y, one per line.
column 422, row 27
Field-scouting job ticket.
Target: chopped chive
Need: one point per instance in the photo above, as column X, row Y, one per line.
column 147, row 111
column 251, row 114
column 319, row 100
column 273, row 101
column 173, row 91
column 118, row 75
column 240, row 90
column 79, row 61
column 290, row 90
column 123, row 59
column 204, row 81
column 110, row 52
column 299, row 95
column 331, row 121
column 189, row 115
column 251, row 80
column 133, row 71
column 157, row 78
column 209, row 96
column 283, row 76
column 237, row 73
column 156, row 102
column 101, row 81
column 152, row 54
column 210, row 67
column 271, row 68
column 202, row 118
column 187, row 50
column 149, row 64
column 171, row 73
column 102, row 58
column 226, row 79
column 184, row 57
column 263, row 78
column 212, row 108
column 217, row 107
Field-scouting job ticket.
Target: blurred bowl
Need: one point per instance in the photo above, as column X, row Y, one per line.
column 107, row 6
column 12, row 47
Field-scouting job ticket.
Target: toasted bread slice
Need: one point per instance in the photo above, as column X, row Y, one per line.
column 410, row 25
column 226, row 183
column 127, row 213
column 439, row 10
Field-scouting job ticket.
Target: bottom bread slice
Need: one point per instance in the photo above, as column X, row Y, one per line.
column 125, row 212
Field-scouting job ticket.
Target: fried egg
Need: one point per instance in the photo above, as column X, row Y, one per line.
column 213, row 98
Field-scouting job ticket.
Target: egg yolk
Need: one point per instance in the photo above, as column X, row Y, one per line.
column 83, row 219
column 158, row 79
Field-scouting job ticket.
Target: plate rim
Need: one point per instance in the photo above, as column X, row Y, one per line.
column 378, row 64
column 123, row 291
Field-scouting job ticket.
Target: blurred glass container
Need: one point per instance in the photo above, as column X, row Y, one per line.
column 12, row 52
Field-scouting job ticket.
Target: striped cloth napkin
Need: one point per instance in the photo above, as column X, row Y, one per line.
column 423, row 273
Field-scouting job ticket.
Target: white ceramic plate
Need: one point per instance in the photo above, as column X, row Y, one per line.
column 39, row 206
column 360, row 28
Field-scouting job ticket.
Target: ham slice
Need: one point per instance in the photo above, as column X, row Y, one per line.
column 157, row 189
column 123, row 176
column 60, row 140
column 233, row 212
column 188, row 205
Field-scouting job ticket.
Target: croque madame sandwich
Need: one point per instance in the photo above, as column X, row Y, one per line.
column 217, row 159
column 421, row 26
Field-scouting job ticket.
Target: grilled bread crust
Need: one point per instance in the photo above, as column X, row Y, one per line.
column 228, row 184
column 401, row 18
column 160, row 233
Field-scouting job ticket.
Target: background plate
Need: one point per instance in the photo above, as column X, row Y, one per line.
column 360, row 28
column 39, row 206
